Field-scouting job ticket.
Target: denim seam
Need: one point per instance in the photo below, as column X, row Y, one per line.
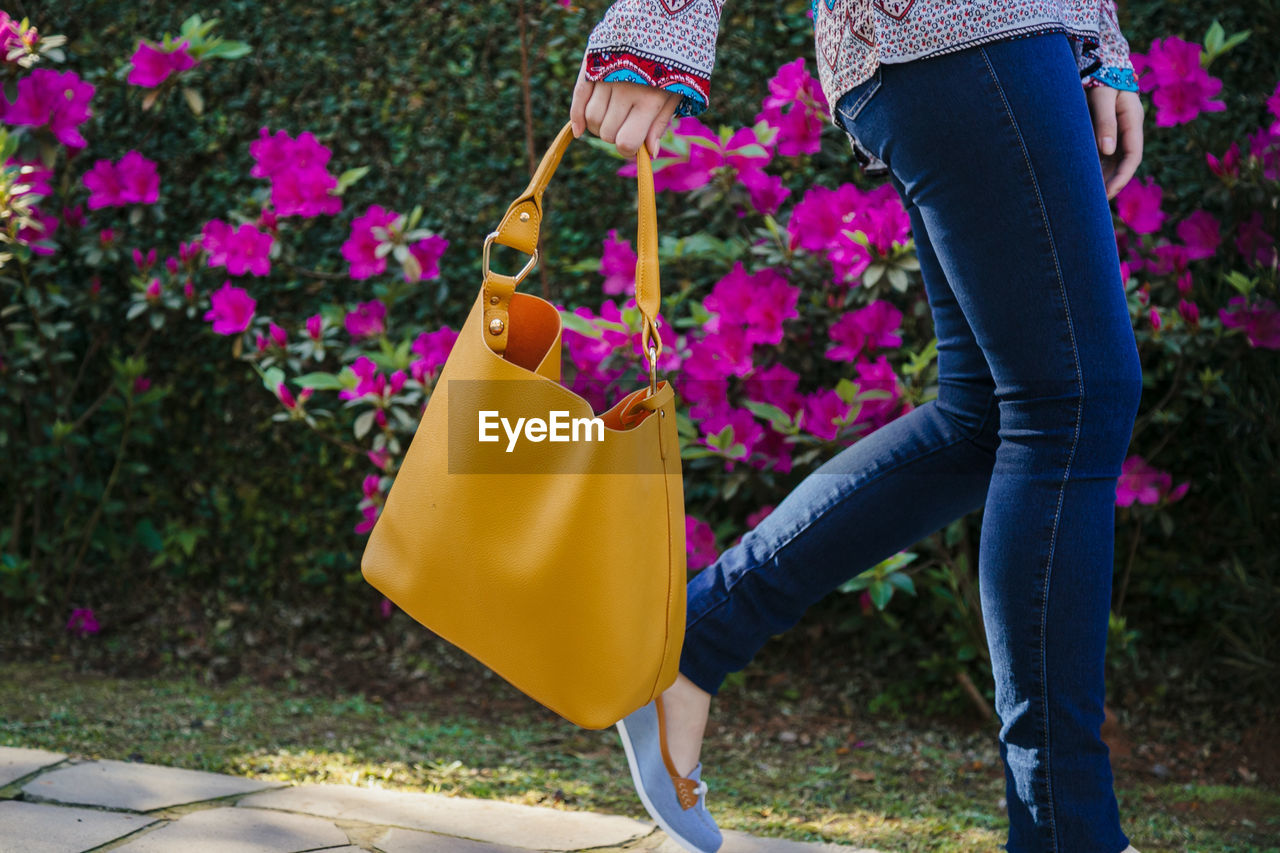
column 728, row 592
column 1062, row 490
column 850, row 113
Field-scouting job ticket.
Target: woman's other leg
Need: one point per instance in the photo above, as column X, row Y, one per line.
column 884, row 493
column 994, row 145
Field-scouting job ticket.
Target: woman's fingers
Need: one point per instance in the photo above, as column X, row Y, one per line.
column 582, row 91
column 660, row 124
column 1129, row 113
column 1102, row 109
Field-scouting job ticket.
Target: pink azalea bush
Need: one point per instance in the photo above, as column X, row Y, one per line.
column 794, row 327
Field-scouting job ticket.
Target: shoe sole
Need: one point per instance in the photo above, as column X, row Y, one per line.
column 634, row 765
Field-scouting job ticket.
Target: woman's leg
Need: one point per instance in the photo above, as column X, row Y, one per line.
column 994, row 148
column 873, row 499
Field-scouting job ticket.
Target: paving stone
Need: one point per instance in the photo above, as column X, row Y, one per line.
column 17, row 761
column 231, row 830
column 480, row 820
column 412, row 841
column 38, row 828
column 138, row 787
column 740, row 842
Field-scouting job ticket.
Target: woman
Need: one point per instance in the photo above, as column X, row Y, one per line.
column 1005, row 162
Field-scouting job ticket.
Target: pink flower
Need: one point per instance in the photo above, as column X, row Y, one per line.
column 1260, row 321
column 758, row 303
column 775, row 385
column 617, row 264
column 380, row 458
column 305, row 192
column 59, row 99
column 1255, row 245
column 1202, row 234
column 152, row 64
column 315, row 327
column 369, row 518
column 360, row 249
column 279, row 336
column 368, row 320
column 1181, row 102
column 153, row 290
column 386, row 608
column 232, row 309
column 245, row 249
column 275, row 154
column 879, row 375
column 139, row 178
column 794, row 90
column 767, row 192
column 427, row 253
column 1229, row 165
column 825, row 220
column 1141, row 483
column 11, row 37
column 743, row 153
column 433, row 349
column 1154, row 316
column 373, row 385
column 1181, row 85
column 1266, row 147
column 141, row 385
column 288, row 400
column 83, row 622
column 700, row 543
column 873, row 326
column 1138, row 206
column 1190, row 312
column 1169, row 60
column 821, row 410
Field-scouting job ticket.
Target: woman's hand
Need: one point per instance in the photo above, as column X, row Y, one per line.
column 624, row 113
column 1117, row 126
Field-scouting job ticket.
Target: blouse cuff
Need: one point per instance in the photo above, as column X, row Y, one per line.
column 621, row 64
column 1116, row 78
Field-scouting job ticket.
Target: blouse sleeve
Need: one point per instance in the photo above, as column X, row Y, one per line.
column 1116, row 69
column 670, row 44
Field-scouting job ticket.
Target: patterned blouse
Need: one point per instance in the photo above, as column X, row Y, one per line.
column 671, row 44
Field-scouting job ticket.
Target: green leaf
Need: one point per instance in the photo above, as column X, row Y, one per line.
column 272, row 378
column 579, row 324
column 349, row 177
column 194, row 100
column 364, row 423
column 319, row 381
column 903, row 582
column 881, row 593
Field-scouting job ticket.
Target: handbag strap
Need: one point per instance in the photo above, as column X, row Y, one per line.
column 519, row 230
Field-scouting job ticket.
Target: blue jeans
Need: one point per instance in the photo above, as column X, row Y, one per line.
column 992, row 151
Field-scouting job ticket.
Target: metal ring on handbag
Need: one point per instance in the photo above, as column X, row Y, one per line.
column 533, row 259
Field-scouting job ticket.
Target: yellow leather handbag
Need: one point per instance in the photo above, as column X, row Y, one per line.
column 559, row 564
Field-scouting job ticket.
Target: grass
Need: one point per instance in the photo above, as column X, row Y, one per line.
column 782, row 770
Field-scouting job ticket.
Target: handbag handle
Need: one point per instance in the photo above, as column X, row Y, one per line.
column 519, row 230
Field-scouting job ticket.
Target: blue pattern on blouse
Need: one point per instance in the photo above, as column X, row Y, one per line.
column 1117, row 78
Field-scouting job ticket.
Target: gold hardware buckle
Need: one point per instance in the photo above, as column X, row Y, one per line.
column 533, row 259
column 653, row 370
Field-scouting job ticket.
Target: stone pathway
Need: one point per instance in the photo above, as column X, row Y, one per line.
column 52, row 804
